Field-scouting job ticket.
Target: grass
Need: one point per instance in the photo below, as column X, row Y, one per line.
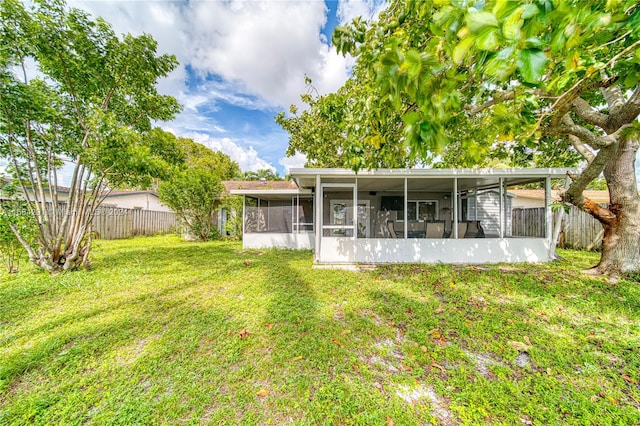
column 166, row 331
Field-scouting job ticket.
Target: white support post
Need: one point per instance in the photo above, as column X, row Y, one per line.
column 548, row 231
column 454, row 224
column 355, row 210
column 501, row 208
column 317, row 220
column 475, row 203
column 244, row 217
column 297, row 207
column 406, row 212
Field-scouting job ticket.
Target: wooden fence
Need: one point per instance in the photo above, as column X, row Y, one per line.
column 579, row 230
column 111, row 223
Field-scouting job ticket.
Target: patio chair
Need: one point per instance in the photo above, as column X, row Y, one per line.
column 390, row 228
column 416, row 229
column 462, row 229
column 435, row 229
column 474, row 230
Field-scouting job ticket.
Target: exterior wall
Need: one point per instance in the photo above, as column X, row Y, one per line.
column 466, row 251
column 301, row 241
column 489, row 213
column 134, row 201
column 527, row 203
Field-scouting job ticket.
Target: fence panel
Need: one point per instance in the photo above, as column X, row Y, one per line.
column 579, row 230
column 112, row 223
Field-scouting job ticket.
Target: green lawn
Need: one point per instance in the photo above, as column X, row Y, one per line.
column 166, row 331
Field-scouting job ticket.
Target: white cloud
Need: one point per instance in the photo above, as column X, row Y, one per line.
column 247, row 158
column 348, row 10
column 298, row 160
column 265, row 48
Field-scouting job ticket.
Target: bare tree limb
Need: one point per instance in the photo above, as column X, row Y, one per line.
column 574, row 194
column 595, row 141
column 631, row 108
column 587, row 113
column 582, row 148
column 615, row 99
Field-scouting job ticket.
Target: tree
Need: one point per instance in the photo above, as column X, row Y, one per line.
column 14, row 216
column 266, row 174
column 192, row 194
column 536, row 77
column 92, row 96
column 201, row 157
column 334, row 130
column 193, row 188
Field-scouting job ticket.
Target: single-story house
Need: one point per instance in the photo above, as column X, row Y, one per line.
column 139, row 200
column 397, row 215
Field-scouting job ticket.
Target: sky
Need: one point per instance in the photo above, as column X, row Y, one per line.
column 241, row 62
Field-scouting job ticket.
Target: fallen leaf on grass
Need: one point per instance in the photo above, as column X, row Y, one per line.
column 262, row 393
column 424, row 349
column 389, row 421
column 336, row 342
column 298, row 358
column 268, row 326
column 519, row 346
column 434, row 365
column 628, row 378
column 244, row 333
column 405, row 367
column 343, row 332
column 526, row 339
column 435, row 333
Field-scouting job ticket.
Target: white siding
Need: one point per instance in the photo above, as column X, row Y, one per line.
column 489, row 212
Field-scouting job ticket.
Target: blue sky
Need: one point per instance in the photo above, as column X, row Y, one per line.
column 241, row 62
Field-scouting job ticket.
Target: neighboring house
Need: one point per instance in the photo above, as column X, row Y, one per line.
column 396, row 215
column 130, row 199
column 531, row 198
column 139, row 200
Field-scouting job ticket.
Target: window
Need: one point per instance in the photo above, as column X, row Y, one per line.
column 422, row 210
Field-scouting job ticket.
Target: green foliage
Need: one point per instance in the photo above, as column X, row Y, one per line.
column 335, row 131
column 14, row 218
column 192, row 194
column 93, row 95
column 200, row 157
column 152, row 334
column 479, row 82
column 267, row 174
column 233, row 226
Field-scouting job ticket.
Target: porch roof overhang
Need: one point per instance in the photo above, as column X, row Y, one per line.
column 273, row 194
column 468, row 179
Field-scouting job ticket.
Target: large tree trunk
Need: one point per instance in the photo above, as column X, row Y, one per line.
column 621, row 240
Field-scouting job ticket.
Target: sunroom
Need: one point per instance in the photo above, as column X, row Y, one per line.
column 401, row 216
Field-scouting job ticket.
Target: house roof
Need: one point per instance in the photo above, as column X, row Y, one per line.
column 127, row 193
column 598, row 196
column 441, row 179
column 257, row 185
column 276, row 189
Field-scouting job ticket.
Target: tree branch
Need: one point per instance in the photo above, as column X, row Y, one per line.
column 582, row 148
column 615, row 99
column 587, row 113
column 568, row 127
column 631, row 109
column 574, row 194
